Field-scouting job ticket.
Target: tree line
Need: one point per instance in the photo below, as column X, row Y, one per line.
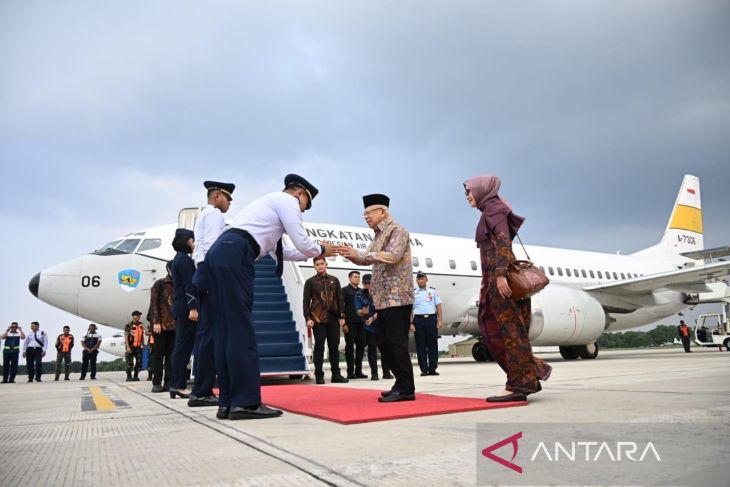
column 661, row 335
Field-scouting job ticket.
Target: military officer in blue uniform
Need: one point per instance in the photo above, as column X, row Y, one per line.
column 255, row 231
column 11, row 351
column 427, row 319
column 208, row 227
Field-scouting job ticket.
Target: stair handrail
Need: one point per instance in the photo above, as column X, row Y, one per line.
column 293, row 280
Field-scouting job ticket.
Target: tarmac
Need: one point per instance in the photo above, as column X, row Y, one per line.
column 112, row 432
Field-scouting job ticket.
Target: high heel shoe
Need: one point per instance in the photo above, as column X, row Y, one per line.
column 175, row 392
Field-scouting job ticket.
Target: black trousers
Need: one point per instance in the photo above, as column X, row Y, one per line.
column 355, row 341
column 327, row 332
column 392, row 339
column 371, row 340
column 685, row 343
column 63, row 357
column 162, row 357
column 88, row 361
column 10, row 364
column 427, row 342
column 34, row 362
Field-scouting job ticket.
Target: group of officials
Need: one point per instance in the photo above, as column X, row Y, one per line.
column 34, row 347
column 210, row 289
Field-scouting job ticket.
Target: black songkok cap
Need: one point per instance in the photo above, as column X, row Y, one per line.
column 297, row 180
column 375, row 199
column 420, row 275
column 136, row 313
column 225, row 188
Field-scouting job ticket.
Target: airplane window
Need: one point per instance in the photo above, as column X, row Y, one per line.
column 567, row 271
column 583, row 273
column 474, row 266
column 615, row 276
column 542, row 269
column 149, row 244
column 600, row 274
column 414, row 261
column 560, row 271
column 128, row 245
column 623, row 276
column 452, row 264
column 592, row 275
column 608, row 275
column 110, row 245
column 575, row 272
column 429, row 262
column 550, row 271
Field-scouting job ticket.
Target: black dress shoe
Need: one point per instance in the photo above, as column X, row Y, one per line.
column 375, row 377
column 157, row 389
column 261, row 412
column 423, row 374
column 388, row 376
column 319, row 380
column 338, row 379
column 433, row 373
column 514, row 397
column 222, row 412
column 396, row 396
column 197, row 402
column 351, row 376
column 38, row 380
column 360, row 375
column 174, row 392
column 82, row 378
column 386, row 393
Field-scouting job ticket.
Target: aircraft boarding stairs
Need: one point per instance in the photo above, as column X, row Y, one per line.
column 282, row 347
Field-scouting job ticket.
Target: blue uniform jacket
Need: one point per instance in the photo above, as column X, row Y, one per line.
column 363, row 299
column 185, row 297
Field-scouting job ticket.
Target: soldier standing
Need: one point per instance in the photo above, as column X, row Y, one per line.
column 11, row 350
column 90, row 344
column 64, row 344
column 134, row 343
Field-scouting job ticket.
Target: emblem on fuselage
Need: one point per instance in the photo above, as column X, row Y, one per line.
column 129, row 279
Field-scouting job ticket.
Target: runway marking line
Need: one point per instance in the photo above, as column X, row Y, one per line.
column 102, row 402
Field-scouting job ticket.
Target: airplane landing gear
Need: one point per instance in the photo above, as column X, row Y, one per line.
column 480, row 352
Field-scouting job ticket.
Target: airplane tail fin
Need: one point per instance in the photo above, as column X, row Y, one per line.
column 684, row 231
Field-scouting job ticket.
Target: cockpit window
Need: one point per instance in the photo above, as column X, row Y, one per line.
column 128, row 245
column 149, row 244
column 110, row 245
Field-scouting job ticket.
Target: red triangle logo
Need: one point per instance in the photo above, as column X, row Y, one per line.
column 487, row 452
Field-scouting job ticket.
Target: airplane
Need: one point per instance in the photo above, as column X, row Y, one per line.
column 590, row 293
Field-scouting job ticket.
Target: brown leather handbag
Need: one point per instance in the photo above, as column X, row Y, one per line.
column 525, row 279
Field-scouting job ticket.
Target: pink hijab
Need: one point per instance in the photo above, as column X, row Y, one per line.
column 494, row 208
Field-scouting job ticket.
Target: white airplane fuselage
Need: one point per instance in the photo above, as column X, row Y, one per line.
column 105, row 287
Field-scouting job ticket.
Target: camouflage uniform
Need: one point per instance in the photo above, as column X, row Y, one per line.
column 134, row 357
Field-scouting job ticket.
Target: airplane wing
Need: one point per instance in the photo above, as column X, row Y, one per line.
column 690, row 280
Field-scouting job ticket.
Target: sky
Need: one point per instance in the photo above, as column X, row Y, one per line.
column 590, row 112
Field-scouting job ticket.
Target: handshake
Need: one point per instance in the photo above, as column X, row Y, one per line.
column 345, row 250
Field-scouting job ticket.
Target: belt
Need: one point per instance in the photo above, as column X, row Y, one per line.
column 252, row 241
column 8, row 347
column 423, row 316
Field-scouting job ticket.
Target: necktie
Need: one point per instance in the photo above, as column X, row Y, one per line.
column 279, row 258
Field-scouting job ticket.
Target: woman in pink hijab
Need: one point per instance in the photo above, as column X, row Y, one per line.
column 504, row 323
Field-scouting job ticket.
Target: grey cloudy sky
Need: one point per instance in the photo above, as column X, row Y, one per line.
column 591, row 112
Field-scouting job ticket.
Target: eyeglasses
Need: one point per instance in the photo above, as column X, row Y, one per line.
column 466, row 192
column 367, row 212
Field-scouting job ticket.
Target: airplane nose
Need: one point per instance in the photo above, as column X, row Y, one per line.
column 33, row 284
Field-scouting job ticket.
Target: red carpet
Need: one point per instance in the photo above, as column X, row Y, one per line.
column 350, row 406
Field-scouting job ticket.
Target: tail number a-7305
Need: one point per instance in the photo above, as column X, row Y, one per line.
column 688, row 239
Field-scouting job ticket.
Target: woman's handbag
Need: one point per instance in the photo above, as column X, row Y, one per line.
column 525, row 279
